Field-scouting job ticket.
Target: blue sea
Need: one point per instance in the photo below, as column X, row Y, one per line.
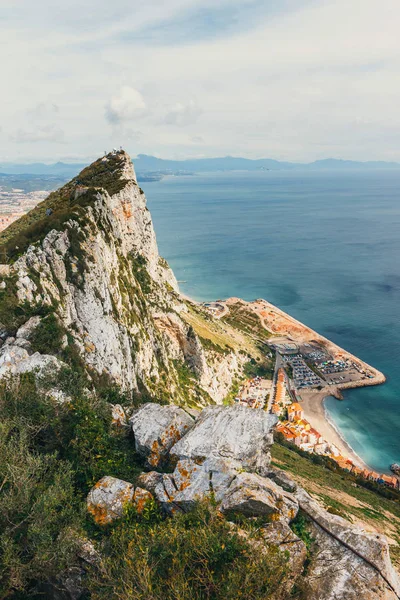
column 323, row 246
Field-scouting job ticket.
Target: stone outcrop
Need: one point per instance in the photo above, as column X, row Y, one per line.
column 240, row 434
column 15, row 359
column 344, row 563
column 253, row 496
column 279, row 534
column 109, row 497
column 156, row 429
column 347, row 558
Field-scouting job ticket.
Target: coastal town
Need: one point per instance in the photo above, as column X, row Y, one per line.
column 16, row 202
column 295, row 428
column 308, row 368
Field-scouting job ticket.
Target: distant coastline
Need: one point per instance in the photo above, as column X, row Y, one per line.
column 286, row 330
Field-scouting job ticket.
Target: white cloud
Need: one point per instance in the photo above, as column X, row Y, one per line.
column 317, row 79
column 127, row 105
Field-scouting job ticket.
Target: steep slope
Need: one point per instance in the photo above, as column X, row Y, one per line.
column 88, row 255
column 88, row 305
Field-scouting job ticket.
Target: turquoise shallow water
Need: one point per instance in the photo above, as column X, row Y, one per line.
column 322, row 246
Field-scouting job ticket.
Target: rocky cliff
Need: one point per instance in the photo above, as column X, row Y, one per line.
column 84, row 294
column 88, row 255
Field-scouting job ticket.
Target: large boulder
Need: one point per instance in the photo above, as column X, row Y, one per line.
column 109, row 497
column 156, row 429
column 255, row 496
column 350, row 563
column 196, row 481
column 237, row 433
column 15, row 359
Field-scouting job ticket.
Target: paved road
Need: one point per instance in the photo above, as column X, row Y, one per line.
column 278, row 365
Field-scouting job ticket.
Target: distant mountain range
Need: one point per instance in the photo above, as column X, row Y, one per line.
column 151, row 164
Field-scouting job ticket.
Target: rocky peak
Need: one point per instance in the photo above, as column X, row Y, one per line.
column 88, row 256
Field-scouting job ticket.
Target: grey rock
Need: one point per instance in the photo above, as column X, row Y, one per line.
column 108, row 498
column 150, row 480
column 156, row 429
column 255, row 496
column 279, row 534
column 350, row 562
column 240, row 434
column 197, row 481
column 69, row 585
column 26, row 330
column 283, row 480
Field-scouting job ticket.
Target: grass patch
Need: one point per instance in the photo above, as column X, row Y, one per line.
column 370, row 504
column 246, row 320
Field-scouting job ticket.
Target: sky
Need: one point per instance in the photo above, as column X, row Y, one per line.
column 295, row 80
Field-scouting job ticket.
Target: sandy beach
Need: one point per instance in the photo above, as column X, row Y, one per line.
column 314, row 412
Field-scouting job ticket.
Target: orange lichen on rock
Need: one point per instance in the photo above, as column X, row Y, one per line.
column 140, row 498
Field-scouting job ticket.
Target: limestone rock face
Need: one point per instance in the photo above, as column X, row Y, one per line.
column 156, row 429
column 102, row 275
column 351, row 563
column 240, row 434
column 107, row 499
column 255, row 496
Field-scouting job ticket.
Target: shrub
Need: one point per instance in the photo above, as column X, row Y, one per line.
column 258, row 369
column 139, row 268
column 48, row 336
column 193, row 556
column 38, row 510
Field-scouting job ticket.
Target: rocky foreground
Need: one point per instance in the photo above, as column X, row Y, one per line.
column 223, row 454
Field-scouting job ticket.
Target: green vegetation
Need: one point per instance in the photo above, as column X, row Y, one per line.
column 194, row 556
column 68, row 202
column 192, row 395
column 301, row 527
column 331, row 465
column 139, row 268
column 220, row 335
column 48, row 336
column 50, row 455
column 246, row 320
column 210, row 345
column 260, row 368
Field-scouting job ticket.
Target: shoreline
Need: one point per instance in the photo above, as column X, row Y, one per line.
column 312, row 401
column 315, row 411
